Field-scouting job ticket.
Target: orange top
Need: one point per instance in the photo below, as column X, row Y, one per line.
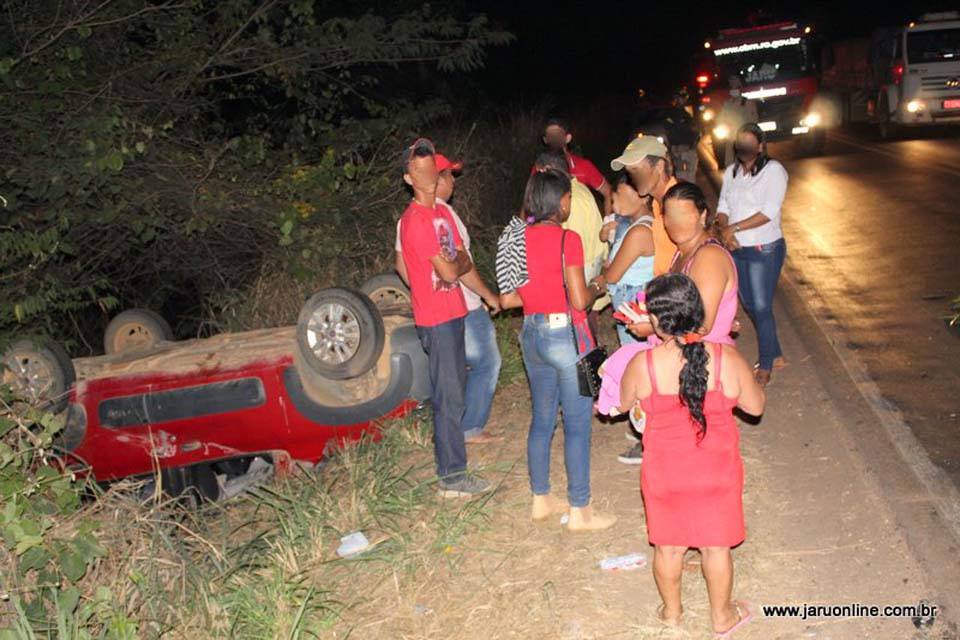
column 663, row 247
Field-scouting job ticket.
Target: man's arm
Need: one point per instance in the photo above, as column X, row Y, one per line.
column 607, row 194
column 475, row 283
column 451, row 270
column 401, row 268
column 510, row 300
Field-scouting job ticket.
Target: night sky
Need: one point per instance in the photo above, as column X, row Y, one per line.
column 588, row 48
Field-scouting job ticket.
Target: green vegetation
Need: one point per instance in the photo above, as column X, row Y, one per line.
column 176, row 154
column 261, row 566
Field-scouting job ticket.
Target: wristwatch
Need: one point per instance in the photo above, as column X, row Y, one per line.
column 736, row 227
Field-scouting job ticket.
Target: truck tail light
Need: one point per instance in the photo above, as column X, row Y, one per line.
column 702, row 80
column 897, row 71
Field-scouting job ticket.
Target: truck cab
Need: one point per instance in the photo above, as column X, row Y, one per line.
column 770, row 73
column 919, row 71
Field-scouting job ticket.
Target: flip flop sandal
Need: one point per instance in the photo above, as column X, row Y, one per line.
column 741, row 607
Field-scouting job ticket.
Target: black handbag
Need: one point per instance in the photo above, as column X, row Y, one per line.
column 588, row 364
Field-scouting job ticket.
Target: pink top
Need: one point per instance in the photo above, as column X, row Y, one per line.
column 616, row 364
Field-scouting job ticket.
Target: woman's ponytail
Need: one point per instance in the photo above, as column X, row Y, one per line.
column 693, row 383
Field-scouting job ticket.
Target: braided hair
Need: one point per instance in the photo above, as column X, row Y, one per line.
column 674, row 299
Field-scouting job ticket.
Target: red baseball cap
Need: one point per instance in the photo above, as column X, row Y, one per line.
column 443, row 163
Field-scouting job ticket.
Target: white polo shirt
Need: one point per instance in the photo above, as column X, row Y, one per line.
column 744, row 195
column 473, row 300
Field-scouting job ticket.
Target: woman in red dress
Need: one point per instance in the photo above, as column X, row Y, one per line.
column 692, row 477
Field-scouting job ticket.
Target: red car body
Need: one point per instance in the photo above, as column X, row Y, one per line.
column 131, row 423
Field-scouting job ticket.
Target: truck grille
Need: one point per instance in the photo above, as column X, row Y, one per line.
column 936, row 82
column 786, row 112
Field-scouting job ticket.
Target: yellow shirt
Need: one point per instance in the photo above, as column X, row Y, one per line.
column 586, row 220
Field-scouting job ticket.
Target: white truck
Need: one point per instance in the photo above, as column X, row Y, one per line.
column 916, row 72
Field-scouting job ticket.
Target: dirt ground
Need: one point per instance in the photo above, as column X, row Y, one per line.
column 818, row 532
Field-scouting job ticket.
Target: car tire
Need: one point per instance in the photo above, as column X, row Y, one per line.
column 886, row 126
column 135, row 329
column 388, row 291
column 40, row 371
column 340, row 333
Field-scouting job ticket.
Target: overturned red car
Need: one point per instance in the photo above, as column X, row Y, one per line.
column 208, row 412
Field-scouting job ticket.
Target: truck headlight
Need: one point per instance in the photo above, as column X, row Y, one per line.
column 707, row 115
column 721, row 132
column 915, row 106
column 813, row 119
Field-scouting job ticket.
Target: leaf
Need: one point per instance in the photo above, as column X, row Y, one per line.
column 27, row 542
column 72, row 564
column 68, row 600
column 115, row 161
column 84, row 31
column 35, row 558
column 286, row 227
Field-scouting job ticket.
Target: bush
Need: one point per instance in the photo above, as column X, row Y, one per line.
column 170, row 154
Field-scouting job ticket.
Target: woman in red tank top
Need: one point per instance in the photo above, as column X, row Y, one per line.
column 692, row 474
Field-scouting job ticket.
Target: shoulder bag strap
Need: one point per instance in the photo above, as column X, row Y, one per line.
column 566, row 295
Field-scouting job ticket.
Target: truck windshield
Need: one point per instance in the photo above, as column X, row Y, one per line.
column 770, row 61
column 932, row 46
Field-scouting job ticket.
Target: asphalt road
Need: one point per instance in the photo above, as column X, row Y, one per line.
column 873, row 228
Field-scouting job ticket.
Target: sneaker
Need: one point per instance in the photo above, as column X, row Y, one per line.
column 633, row 456
column 463, row 487
column 631, row 436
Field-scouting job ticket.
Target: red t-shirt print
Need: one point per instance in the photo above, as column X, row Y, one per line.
column 424, row 234
column 544, row 292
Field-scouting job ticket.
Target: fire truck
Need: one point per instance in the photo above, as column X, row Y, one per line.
column 770, row 73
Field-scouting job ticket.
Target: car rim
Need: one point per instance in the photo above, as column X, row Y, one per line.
column 389, row 296
column 29, row 374
column 333, row 333
column 132, row 336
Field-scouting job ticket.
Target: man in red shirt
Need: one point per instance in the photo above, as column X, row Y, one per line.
column 557, row 137
column 435, row 260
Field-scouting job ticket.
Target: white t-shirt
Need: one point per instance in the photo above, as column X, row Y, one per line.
column 744, row 195
column 473, row 300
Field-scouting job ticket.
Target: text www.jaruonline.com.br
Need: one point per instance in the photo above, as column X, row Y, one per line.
column 921, row 610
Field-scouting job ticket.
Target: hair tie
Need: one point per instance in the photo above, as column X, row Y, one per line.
column 531, row 219
column 691, row 338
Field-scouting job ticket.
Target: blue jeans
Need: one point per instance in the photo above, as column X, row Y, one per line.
column 483, row 369
column 550, row 358
column 621, row 293
column 443, row 344
column 758, row 269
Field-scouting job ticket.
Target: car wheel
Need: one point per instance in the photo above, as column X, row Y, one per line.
column 135, row 329
column 886, row 126
column 340, row 333
column 387, row 291
column 41, row 372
